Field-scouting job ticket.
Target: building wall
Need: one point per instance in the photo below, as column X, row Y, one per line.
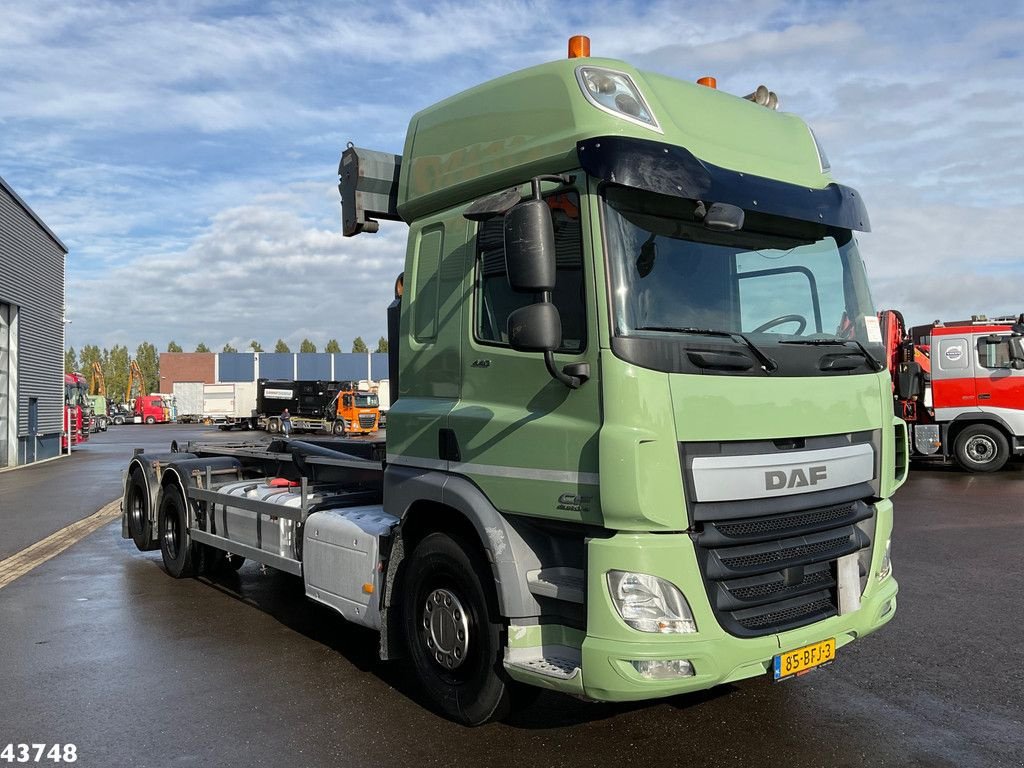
column 187, row 366
column 32, row 262
column 234, row 367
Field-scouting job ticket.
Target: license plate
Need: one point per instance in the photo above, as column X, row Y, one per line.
column 800, row 660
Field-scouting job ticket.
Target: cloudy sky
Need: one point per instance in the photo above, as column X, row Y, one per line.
column 186, row 152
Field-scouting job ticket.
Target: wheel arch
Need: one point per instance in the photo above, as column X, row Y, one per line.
column 429, row 501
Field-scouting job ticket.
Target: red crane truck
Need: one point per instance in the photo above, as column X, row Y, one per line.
column 960, row 387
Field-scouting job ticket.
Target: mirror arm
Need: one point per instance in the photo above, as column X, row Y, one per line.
column 579, row 376
column 563, row 179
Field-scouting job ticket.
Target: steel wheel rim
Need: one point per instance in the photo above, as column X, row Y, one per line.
column 445, row 629
column 981, row 449
column 171, row 533
column 137, row 511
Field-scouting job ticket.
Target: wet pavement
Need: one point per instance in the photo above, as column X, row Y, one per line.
column 99, row 647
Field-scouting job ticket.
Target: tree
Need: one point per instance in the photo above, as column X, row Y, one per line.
column 228, row 348
column 281, row 346
column 307, row 346
column 333, row 347
column 358, row 345
column 255, row 346
column 115, row 371
column 90, row 354
column 149, row 363
column 70, row 360
column 382, row 344
column 173, row 346
column 201, row 347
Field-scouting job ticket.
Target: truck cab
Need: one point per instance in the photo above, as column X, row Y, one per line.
column 150, row 409
column 355, row 412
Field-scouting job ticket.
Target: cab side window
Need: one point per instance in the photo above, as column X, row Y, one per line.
column 994, row 355
column 495, row 300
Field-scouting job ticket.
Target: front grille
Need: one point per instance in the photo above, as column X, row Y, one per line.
column 366, row 420
column 774, row 573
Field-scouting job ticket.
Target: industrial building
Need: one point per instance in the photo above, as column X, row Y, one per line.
column 238, row 367
column 32, row 261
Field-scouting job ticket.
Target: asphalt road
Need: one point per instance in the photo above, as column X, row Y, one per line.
column 99, row 647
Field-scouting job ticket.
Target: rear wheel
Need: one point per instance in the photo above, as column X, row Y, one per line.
column 981, row 448
column 453, row 632
column 140, row 526
column 180, row 555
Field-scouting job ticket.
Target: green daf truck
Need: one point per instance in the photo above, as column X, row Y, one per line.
column 641, row 440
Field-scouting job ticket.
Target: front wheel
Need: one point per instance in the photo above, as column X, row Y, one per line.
column 453, row 632
column 981, row 448
column 151, row 420
column 273, row 426
column 339, row 427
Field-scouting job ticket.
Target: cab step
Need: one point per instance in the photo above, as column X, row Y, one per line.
column 560, row 583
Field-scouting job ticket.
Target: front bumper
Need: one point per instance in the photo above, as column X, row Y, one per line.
column 606, row 672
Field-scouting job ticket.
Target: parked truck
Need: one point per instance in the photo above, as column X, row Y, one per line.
column 189, row 396
column 150, row 409
column 78, row 414
column 230, row 405
column 960, row 387
column 641, row 439
column 336, row 407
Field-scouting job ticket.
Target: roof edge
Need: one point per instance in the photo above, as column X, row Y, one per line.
column 28, row 209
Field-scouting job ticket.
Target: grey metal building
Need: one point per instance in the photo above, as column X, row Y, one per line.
column 32, row 260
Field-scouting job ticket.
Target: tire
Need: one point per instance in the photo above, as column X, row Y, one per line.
column 460, row 669
column 151, row 420
column 273, row 426
column 119, row 420
column 981, row 448
column 339, row 427
column 180, row 555
column 140, row 526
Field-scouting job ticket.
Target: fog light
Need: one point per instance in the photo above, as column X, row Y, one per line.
column 663, row 669
column 885, row 570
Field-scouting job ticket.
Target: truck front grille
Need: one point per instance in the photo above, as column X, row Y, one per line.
column 366, row 420
column 773, row 573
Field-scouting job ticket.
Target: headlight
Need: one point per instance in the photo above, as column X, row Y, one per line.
column 650, row 604
column 885, row 571
column 616, row 93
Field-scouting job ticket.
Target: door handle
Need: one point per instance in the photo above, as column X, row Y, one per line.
column 985, row 396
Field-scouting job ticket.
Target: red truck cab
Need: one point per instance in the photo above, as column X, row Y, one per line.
column 151, row 409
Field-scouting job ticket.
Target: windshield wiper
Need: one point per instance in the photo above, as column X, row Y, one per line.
column 769, row 365
column 872, row 360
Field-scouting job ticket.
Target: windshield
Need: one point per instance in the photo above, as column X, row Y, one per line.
column 367, row 401
column 74, row 394
column 794, row 290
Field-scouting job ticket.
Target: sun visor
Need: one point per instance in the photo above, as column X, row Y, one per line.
column 671, row 170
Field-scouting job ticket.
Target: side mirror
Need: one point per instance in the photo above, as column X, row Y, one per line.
column 723, row 217
column 535, row 328
column 993, row 339
column 530, row 247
